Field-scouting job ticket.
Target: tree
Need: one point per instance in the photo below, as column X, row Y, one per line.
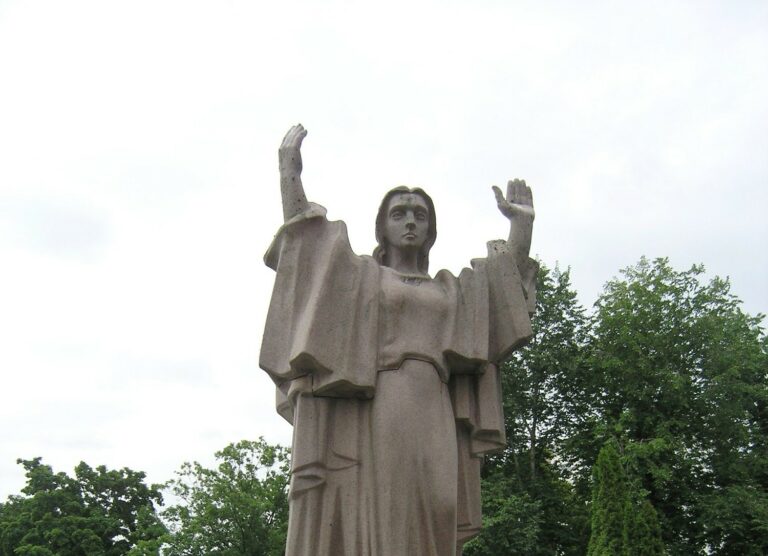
column 544, row 383
column 669, row 368
column 610, row 500
column 511, row 520
column 642, row 532
column 623, row 522
column 238, row 509
column 530, row 503
column 680, row 379
column 96, row 512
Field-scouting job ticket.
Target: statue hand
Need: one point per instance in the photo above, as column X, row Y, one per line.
column 289, row 153
column 518, row 207
column 519, row 200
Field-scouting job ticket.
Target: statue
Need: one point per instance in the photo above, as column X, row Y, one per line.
column 389, row 375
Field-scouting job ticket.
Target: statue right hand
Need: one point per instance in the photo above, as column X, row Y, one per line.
column 289, row 153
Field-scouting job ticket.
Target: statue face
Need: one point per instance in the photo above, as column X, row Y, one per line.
column 407, row 223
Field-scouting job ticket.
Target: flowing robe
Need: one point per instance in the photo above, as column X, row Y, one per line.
column 391, row 384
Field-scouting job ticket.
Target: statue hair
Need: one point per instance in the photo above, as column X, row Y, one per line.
column 422, row 259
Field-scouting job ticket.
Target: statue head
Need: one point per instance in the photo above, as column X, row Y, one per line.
column 384, row 244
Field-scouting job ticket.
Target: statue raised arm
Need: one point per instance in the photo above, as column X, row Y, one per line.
column 291, row 188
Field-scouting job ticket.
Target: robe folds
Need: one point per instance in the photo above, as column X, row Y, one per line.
column 364, row 359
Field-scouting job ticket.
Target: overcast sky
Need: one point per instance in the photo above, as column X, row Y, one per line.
column 139, row 185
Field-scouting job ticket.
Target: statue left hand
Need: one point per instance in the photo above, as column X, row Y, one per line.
column 519, row 200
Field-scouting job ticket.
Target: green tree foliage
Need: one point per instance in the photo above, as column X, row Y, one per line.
column 642, row 532
column 680, row 378
column 240, row 508
column 622, row 523
column 97, row 512
column 610, row 501
column 545, row 397
column 670, row 369
column 511, row 520
column 530, row 487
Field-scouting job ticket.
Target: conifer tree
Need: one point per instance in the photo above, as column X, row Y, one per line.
column 610, row 499
column 642, row 532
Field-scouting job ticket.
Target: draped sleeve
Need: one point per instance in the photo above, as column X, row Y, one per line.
column 323, row 315
column 495, row 300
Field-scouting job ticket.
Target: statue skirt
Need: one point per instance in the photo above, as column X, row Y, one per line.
column 386, row 482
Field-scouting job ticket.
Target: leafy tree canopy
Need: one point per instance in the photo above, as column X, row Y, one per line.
column 530, row 500
column 681, row 380
column 97, row 512
column 671, row 371
column 240, row 508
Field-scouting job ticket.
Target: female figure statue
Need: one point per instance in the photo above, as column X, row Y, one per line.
column 389, row 375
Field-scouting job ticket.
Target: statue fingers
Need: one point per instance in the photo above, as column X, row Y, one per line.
column 499, row 197
column 514, row 188
column 505, row 207
column 294, row 136
column 527, row 196
column 286, row 139
column 301, row 133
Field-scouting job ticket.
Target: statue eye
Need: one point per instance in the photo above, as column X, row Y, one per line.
column 396, row 214
column 421, row 216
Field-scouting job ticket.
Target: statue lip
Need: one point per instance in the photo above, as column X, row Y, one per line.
column 409, row 235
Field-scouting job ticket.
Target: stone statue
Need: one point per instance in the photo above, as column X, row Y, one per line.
column 389, row 375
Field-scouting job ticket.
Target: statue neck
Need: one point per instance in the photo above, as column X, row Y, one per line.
column 404, row 261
